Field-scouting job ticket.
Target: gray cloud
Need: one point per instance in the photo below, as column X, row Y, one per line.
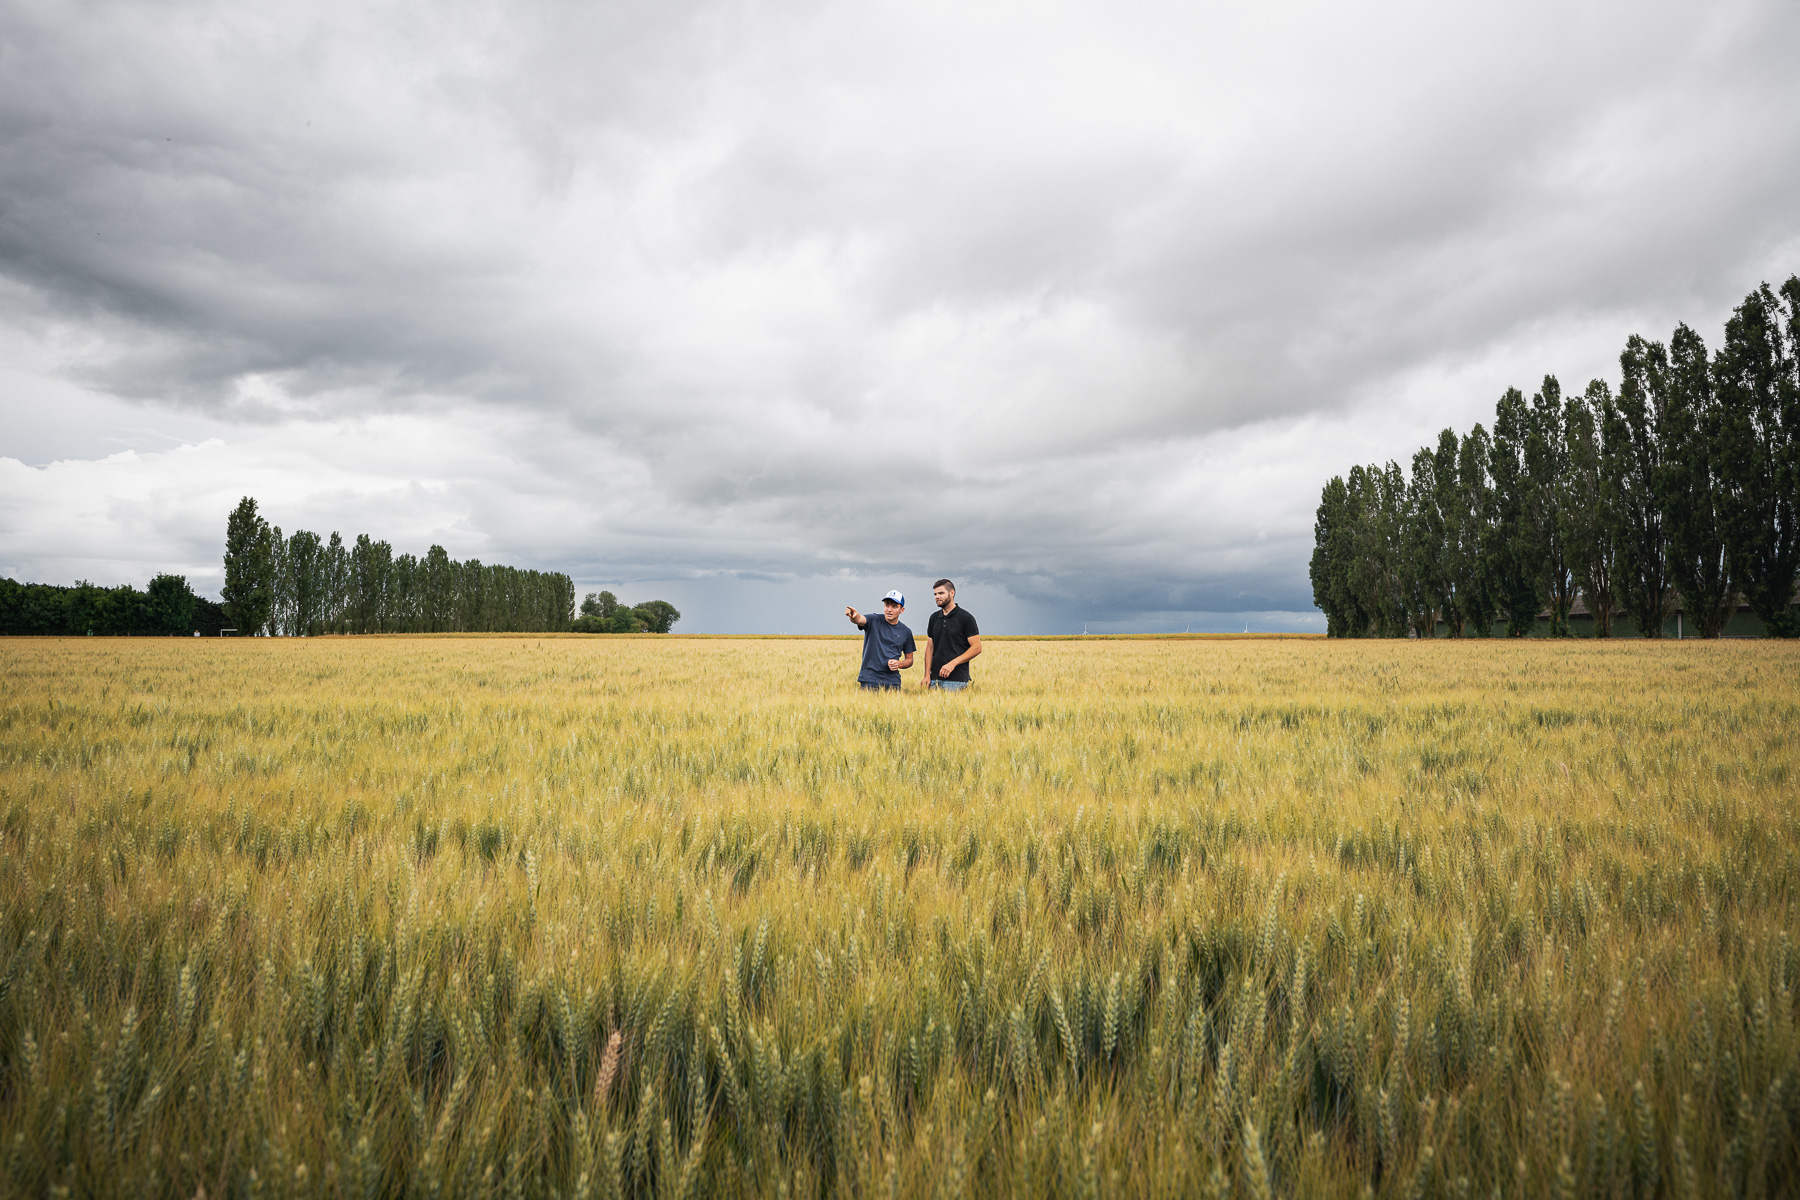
column 1083, row 303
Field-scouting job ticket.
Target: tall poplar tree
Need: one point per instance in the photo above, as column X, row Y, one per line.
column 1637, row 475
column 493, row 597
column 1586, row 512
column 371, row 564
column 1449, row 569
column 1377, row 566
column 1547, row 465
column 337, row 585
column 1758, row 390
column 439, row 604
column 401, row 609
column 1692, row 487
column 1517, row 551
column 1334, row 555
column 306, row 560
column 249, row 591
column 1422, row 541
column 281, row 580
column 1475, row 517
column 470, row 603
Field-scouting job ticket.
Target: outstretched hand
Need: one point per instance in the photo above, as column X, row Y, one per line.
column 856, row 618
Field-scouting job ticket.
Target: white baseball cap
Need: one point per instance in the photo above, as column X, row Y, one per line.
column 896, row 596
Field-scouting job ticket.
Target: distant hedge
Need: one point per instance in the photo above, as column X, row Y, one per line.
column 167, row 608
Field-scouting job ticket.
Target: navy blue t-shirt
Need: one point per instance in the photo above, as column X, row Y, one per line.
column 881, row 642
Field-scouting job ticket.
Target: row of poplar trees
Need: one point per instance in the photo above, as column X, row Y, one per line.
column 305, row 584
column 1683, row 486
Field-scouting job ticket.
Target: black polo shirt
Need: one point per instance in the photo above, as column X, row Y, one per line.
column 949, row 638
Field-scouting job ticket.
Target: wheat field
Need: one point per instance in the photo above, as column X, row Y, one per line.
column 606, row 917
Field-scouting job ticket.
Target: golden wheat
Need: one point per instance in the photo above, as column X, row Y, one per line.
column 681, row 917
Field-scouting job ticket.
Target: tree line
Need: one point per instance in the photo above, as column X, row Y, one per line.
column 601, row 612
column 1681, row 486
column 285, row 585
column 168, row 607
column 303, row 584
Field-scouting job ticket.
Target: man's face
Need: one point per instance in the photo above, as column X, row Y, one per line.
column 891, row 611
column 943, row 596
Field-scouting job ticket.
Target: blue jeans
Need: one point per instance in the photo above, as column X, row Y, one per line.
column 878, row 687
column 950, row 685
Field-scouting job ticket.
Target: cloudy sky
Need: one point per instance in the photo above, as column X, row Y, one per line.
column 766, row 307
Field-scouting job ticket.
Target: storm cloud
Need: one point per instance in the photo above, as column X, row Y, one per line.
column 1077, row 303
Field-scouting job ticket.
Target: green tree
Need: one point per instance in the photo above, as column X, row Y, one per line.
column 1758, row 391
column 171, row 605
column 1692, row 484
column 658, row 616
column 371, row 564
column 1475, row 531
column 1334, row 535
column 281, row 590
column 510, row 593
column 1378, row 498
column 307, row 566
column 1589, row 523
column 562, row 602
column 1517, row 551
column 404, row 599
column 624, row 620
column 1547, row 463
column 470, row 604
column 1443, row 521
column 439, row 601
column 1422, row 547
column 597, row 609
column 1635, row 438
column 32, row 608
column 249, row 590
column 493, row 597
column 334, row 617
column 1392, row 580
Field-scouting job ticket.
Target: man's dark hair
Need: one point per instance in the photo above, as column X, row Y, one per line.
column 943, row 583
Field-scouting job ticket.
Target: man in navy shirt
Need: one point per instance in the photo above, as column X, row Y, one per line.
column 952, row 639
column 887, row 644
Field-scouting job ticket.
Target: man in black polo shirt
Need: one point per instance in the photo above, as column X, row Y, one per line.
column 952, row 639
